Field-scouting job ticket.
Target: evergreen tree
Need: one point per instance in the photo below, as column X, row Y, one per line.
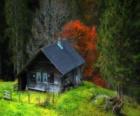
column 18, row 20
column 118, row 41
column 2, row 24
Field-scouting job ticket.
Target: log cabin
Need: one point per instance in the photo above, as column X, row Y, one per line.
column 54, row 68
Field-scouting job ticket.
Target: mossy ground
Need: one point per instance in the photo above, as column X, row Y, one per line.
column 85, row 100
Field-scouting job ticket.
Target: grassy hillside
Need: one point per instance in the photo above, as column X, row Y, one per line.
column 86, row 100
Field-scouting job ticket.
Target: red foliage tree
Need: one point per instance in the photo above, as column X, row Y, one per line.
column 97, row 79
column 84, row 40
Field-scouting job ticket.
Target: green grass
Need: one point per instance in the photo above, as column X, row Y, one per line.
column 8, row 108
column 6, row 86
column 85, row 100
column 20, row 106
column 72, row 99
column 24, row 96
column 79, row 101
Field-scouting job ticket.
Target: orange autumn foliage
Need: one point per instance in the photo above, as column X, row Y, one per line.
column 97, row 79
column 84, row 40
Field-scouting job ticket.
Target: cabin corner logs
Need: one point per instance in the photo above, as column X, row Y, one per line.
column 52, row 69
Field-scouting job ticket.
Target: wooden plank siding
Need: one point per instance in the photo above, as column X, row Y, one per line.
column 41, row 65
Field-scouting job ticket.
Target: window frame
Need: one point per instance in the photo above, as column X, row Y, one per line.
column 38, row 77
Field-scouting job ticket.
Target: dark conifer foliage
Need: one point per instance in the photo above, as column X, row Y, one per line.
column 18, row 19
column 119, row 42
column 1, row 33
column 5, row 66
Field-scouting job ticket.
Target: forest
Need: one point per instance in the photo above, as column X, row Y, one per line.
column 104, row 32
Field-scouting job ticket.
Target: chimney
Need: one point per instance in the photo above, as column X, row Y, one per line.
column 59, row 43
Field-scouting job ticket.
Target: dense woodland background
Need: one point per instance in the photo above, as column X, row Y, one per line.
column 112, row 26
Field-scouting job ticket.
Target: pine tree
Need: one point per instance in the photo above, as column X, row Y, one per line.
column 2, row 24
column 18, row 21
column 118, row 42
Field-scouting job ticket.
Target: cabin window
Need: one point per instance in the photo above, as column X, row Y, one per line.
column 38, row 76
column 33, row 77
column 45, row 77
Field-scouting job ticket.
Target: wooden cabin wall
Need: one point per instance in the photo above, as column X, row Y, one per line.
column 78, row 76
column 57, row 77
column 73, row 78
column 67, row 80
column 43, row 65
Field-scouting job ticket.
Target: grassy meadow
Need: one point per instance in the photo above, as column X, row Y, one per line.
column 85, row 100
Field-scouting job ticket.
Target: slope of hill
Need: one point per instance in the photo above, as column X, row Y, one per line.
column 85, row 100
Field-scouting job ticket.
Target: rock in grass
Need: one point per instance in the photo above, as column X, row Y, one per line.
column 100, row 100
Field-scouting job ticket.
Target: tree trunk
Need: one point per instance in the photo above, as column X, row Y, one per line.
column 119, row 90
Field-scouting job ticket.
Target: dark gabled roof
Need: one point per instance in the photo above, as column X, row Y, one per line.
column 64, row 59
